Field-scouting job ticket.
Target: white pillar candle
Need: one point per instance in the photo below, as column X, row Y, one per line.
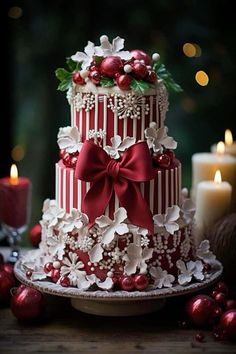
column 230, row 144
column 204, row 166
column 212, row 202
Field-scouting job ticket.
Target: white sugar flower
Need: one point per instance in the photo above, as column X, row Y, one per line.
column 69, row 139
column 118, row 146
column 189, row 270
column 157, row 138
column 75, row 221
column 34, row 261
column 95, row 254
column 140, row 237
column 86, row 58
column 168, row 220
column 107, row 284
column 114, row 48
column 72, row 268
column 136, row 258
column 57, row 244
column 188, row 210
column 161, row 278
column 52, row 214
column 204, row 253
column 112, row 226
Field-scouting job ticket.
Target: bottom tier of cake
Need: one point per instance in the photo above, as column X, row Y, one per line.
column 114, row 254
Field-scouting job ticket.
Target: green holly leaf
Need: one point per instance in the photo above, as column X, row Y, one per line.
column 166, row 77
column 98, row 59
column 63, row 74
column 140, row 85
column 64, row 85
column 73, row 65
column 106, row 82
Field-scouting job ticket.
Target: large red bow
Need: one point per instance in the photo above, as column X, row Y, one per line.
column 107, row 175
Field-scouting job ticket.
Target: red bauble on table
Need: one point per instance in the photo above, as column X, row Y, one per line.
column 35, row 235
column 228, row 324
column 140, row 70
column 201, row 310
column 110, row 66
column 6, row 283
column 141, row 55
column 27, row 303
column 77, row 78
column 230, row 304
column 123, row 81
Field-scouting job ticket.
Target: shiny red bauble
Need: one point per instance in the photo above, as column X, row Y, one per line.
column 27, row 303
column 151, row 76
column 65, row 281
column 141, row 55
column 77, row 78
column 55, row 275
column 123, row 81
column 228, row 324
column 110, row 66
column 8, row 268
column 171, row 154
column 48, row 267
column 218, row 312
column 222, row 287
column 230, row 304
column 67, row 159
column 201, row 310
column 127, row 283
column 95, row 77
column 141, row 281
column 139, row 70
column 35, row 235
column 6, row 283
column 28, row 274
column 162, row 160
column 220, row 298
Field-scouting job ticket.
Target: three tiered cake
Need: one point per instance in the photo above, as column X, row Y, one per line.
column 120, row 220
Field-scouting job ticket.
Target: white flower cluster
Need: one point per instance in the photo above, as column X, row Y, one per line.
column 118, row 146
column 69, row 139
column 84, row 101
column 129, row 105
column 158, row 138
column 97, row 134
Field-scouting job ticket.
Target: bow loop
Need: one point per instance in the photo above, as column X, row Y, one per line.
column 108, row 175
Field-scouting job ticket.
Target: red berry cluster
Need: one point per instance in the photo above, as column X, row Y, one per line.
column 129, row 283
column 163, row 160
column 69, row 160
column 121, row 71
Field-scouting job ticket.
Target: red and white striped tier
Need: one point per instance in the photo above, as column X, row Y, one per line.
column 161, row 192
column 100, row 115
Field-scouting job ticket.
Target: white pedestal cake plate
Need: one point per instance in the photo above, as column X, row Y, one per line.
column 118, row 303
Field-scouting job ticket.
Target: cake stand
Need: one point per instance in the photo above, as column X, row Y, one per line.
column 119, row 303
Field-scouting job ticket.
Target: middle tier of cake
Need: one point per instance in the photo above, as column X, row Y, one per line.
column 160, row 193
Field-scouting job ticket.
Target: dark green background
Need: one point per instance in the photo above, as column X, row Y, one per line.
column 34, row 45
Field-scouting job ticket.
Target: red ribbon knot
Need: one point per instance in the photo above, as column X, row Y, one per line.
column 108, row 176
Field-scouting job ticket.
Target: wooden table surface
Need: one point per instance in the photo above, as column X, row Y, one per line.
column 66, row 330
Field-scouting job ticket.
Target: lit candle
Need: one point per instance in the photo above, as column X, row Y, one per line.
column 230, row 144
column 14, row 199
column 212, row 202
column 204, row 166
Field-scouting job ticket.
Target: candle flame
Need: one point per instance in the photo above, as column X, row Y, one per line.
column 228, row 137
column 14, row 174
column 220, row 148
column 218, row 178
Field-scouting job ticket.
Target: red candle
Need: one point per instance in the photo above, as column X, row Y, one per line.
column 14, row 199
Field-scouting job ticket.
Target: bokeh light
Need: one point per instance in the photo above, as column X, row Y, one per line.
column 18, row 153
column 202, row 78
column 192, row 50
column 15, row 12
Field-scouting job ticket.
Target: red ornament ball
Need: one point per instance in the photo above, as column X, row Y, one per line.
column 171, row 154
column 48, row 267
column 77, row 78
column 55, row 275
column 65, row 281
column 67, row 159
column 28, row 274
column 140, row 70
column 123, row 82
column 8, row 268
column 35, row 235
column 222, row 287
column 220, row 298
column 151, row 76
column 200, row 310
column 73, row 162
column 6, row 283
column 110, row 66
column 218, row 312
column 27, row 303
column 141, row 281
column 141, row 55
column 127, row 283
column 230, row 304
column 95, row 77
column 161, row 160
column 228, row 324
